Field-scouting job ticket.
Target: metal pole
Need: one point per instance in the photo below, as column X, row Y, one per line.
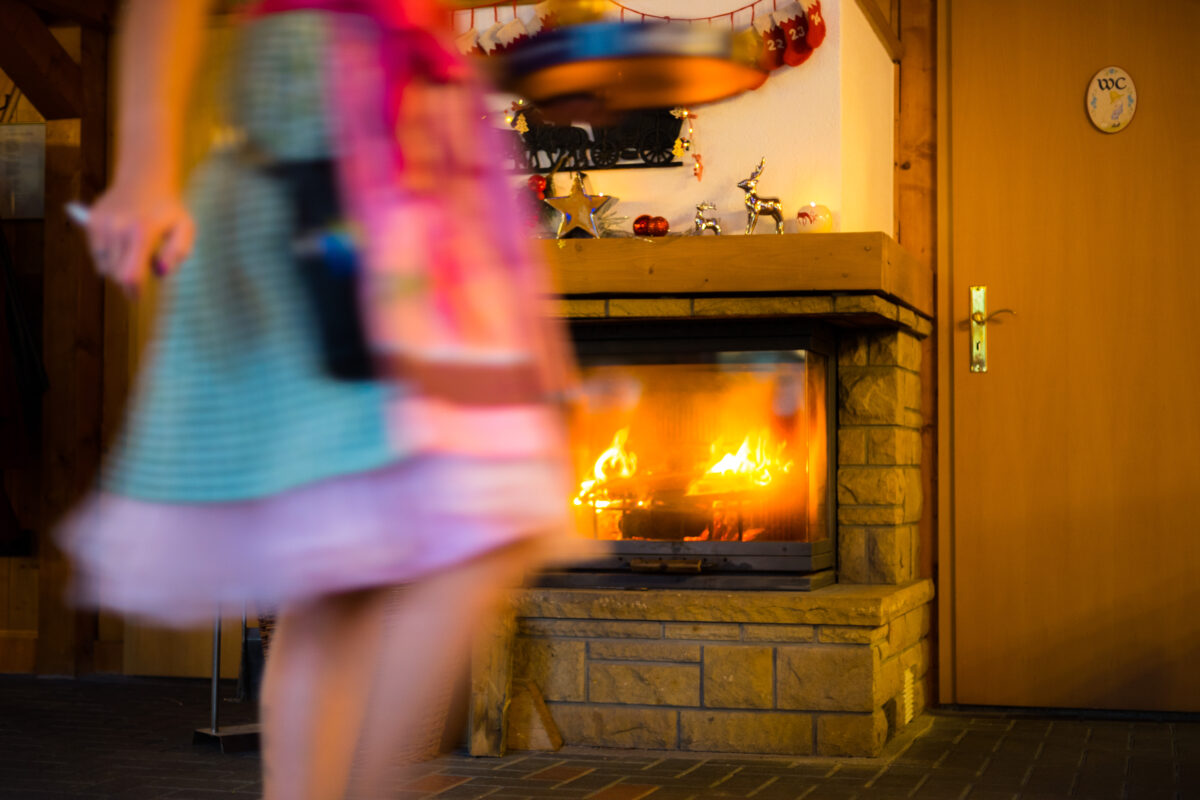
column 216, row 673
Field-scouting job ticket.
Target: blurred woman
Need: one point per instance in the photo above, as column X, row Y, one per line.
column 350, row 409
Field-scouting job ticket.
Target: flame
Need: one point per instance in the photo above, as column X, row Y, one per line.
column 755, row 465
column 615, row 462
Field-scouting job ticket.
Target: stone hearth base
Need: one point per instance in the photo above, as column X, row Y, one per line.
column 831, row 672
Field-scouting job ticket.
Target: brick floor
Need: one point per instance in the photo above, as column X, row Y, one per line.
column 130, row 739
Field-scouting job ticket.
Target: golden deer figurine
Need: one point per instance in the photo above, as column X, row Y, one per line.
column 703, row 223
column 755, row 205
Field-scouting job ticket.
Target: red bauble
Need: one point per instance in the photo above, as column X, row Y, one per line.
column 537, row 185
column 641, row 225
column 659, row 226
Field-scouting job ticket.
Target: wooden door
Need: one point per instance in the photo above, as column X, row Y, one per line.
column 1074, row 501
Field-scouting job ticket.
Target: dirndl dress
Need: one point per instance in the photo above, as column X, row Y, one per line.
column 245, row 473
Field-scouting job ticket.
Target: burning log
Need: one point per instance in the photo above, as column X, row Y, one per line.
column 664, row 524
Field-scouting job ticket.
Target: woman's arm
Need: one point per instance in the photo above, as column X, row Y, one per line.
column 141, row 217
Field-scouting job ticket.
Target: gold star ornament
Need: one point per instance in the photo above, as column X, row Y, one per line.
column 579, row 209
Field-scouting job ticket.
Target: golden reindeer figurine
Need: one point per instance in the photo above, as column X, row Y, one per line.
column 703, row 223
column 755, row 205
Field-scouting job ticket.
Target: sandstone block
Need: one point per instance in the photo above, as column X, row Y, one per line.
column 739, row 677
column 853, row 350
column 907, row 318
column 889, row 554
column 644, row 651
column 574, row 309
column 924, row 326
column 871, row 515
column 773, row 733
column 865, row 304
column 826, row 677
column 907, row 630
column 884, row 349
column 840, row 604
column 649, row 307
column 917, row 658
column 920, row 696
column 555, row 666
column 851, row 734
column 910, row 390
column 587, row 628
column 777, row 633
column 894, row 445
column 870, row 396
column 916, row 553
column 903, row 598
column 913, row 495
column 911, row 418
column 719, row 631
column 644, row 684
column 616, row 726
column 853, row 566
column 852, row 446
column 870, row 486
column 909, row 354
column 760, row 306
column 851, row 634
column 890, row 682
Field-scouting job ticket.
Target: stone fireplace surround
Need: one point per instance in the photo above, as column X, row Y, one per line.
column 833, row 672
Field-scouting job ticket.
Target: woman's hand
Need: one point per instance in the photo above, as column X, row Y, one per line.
column 140, row 220
column 136, row 225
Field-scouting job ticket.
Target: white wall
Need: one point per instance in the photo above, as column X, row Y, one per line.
column 868, row 83
column 825, row 127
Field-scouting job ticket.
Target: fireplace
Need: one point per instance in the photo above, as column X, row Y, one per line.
column 702, row 453
column 691, row 636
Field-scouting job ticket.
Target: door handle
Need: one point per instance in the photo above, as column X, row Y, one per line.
column 978, row 321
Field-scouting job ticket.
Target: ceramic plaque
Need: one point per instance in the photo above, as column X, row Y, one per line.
column 1111, row 99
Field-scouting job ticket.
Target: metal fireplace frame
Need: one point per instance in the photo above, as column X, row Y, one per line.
column 711, row 565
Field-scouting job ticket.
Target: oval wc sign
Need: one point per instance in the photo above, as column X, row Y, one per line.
column 1111, row 99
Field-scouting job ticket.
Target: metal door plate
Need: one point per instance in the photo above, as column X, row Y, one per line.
column 978, row 321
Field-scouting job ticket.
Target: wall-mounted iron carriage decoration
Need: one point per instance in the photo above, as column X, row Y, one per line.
column 639, row 139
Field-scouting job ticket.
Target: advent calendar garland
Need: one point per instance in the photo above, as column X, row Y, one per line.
column 779, row 36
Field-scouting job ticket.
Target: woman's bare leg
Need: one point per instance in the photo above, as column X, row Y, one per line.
column 315, row 691
column 428, row 632
column 367, row 679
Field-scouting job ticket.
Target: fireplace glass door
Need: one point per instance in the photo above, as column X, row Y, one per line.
column 702, row 458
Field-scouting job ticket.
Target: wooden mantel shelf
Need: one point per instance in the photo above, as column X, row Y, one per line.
column 860, row 263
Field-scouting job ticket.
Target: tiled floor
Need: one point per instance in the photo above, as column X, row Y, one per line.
column 126, row 739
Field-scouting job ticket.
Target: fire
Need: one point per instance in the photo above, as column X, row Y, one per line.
column 755, row 465
column 615, row 462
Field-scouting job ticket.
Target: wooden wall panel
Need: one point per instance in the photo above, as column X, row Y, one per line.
column 72, row 330
column 149, row 650
column 916, row 207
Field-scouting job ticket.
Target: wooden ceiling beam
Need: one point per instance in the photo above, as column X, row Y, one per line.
column 38, row 64
column 92, row 13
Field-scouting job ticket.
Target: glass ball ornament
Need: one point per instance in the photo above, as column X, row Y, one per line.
column 814, row 218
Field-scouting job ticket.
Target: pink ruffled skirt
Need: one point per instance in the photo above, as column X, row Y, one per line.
column 175, row 563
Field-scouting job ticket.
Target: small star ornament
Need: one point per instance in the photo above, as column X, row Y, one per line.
column 580, row 210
